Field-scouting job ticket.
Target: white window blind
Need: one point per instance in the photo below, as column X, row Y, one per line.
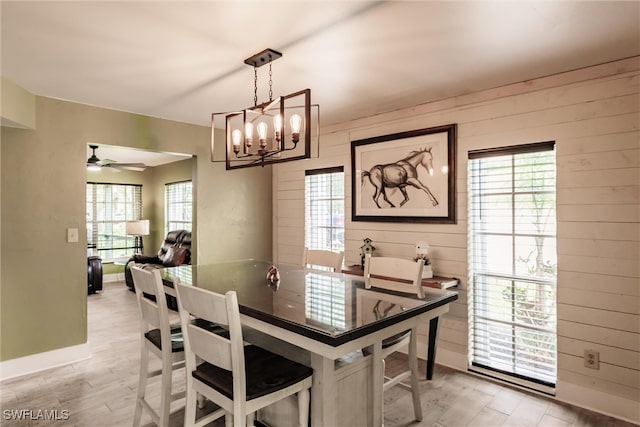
column 513, row 264
column 109, row 207
column 178, row 205
column 324, row 209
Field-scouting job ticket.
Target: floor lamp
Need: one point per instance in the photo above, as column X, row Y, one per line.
column 138, row 228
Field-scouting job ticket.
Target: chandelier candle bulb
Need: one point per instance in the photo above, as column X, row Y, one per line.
column 236, row 135
column 296, row 125
column 277, row 124
column 262, row 134
column 248, row 134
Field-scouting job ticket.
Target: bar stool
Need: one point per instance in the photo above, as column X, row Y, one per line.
column 160, row 338
column 322, row 258
column 240, row 379
column 375, row 272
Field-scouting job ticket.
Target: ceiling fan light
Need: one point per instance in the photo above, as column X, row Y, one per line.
column 93, row 167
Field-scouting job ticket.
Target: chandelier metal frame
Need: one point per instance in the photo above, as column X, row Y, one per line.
column 283, row 125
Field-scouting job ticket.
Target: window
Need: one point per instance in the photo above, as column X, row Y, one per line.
column 178, row 206
column 109, row 207
column 513, row 265
column 324, row 209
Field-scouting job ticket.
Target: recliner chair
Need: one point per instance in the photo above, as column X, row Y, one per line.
column 175, row 250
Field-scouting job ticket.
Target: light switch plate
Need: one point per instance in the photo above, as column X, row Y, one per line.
column 72, row 235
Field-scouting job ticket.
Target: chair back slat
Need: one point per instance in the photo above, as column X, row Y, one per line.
column 208, row 346
column 226, row 353
column 154, row 313
column 394, row 273
column 204, row 304
column 323, row 258
column 144, row 280
column 150, row 312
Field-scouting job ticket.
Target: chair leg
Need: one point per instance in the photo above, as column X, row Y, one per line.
column 384, row 369
column 190, row 404
column 228, row 419
column 200, row 401
column 303, row 408
column 415, row 383
column 165, row 396
column 142, row 383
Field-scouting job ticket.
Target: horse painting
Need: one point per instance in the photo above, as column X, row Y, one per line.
column 400, row 174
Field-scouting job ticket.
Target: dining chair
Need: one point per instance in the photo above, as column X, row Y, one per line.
column 241, row 379
column 160, row 338
column 322, row 258
column 404, row 276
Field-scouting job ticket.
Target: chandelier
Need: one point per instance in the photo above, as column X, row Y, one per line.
column 278, row 130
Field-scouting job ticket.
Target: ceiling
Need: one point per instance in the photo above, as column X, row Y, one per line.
column 183, row 60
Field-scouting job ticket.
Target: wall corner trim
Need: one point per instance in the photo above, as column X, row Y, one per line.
column 17, row 106
column 41, row 361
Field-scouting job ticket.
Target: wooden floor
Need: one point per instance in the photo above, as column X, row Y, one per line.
column 101, row 390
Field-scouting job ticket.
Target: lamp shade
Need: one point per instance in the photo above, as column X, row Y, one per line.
column 138, row 228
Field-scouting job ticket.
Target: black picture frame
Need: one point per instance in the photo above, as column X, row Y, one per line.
column 402, row 161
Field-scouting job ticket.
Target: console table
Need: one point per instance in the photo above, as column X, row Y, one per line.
column 438, row 282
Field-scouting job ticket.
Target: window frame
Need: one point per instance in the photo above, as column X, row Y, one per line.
column 311, row 222
column 133, row 212
column 483, row 346
column 187, row 225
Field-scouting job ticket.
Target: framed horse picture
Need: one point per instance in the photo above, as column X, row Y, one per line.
column 405, row 177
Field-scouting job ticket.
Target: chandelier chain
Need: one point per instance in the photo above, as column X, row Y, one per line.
column 270, row 84
column 255, row 86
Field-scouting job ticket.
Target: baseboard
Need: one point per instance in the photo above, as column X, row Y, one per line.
column 452, row 359
column 113, row 277
column 604, row 403
column 39, row 362
column 444, row 357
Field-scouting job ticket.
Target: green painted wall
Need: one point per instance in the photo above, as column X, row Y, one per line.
column 43, row 278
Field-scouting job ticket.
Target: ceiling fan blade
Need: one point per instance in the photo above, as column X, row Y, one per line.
column 112, row 164
column 137, row 167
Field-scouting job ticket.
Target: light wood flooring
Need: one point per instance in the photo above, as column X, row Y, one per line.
column 101, row 391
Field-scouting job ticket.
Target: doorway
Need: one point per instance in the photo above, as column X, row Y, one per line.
column 119, row 193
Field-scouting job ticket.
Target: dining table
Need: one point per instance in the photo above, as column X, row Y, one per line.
column 324, row 319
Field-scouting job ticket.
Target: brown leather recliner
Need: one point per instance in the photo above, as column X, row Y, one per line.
column 175, row 250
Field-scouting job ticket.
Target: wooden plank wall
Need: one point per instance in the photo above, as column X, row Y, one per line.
column 593, row 114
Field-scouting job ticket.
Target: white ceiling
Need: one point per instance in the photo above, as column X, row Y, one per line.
column 183, row 60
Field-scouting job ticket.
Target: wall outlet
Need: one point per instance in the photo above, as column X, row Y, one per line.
column 592, row 359
column 72, row 235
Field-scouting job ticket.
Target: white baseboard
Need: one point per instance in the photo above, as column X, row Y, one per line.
column 39, row 362
column 113, row 277
column 597, row 401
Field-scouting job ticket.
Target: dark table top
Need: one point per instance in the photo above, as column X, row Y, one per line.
column 332, row 308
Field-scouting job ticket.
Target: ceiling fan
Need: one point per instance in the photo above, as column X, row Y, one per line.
column 95, row 164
